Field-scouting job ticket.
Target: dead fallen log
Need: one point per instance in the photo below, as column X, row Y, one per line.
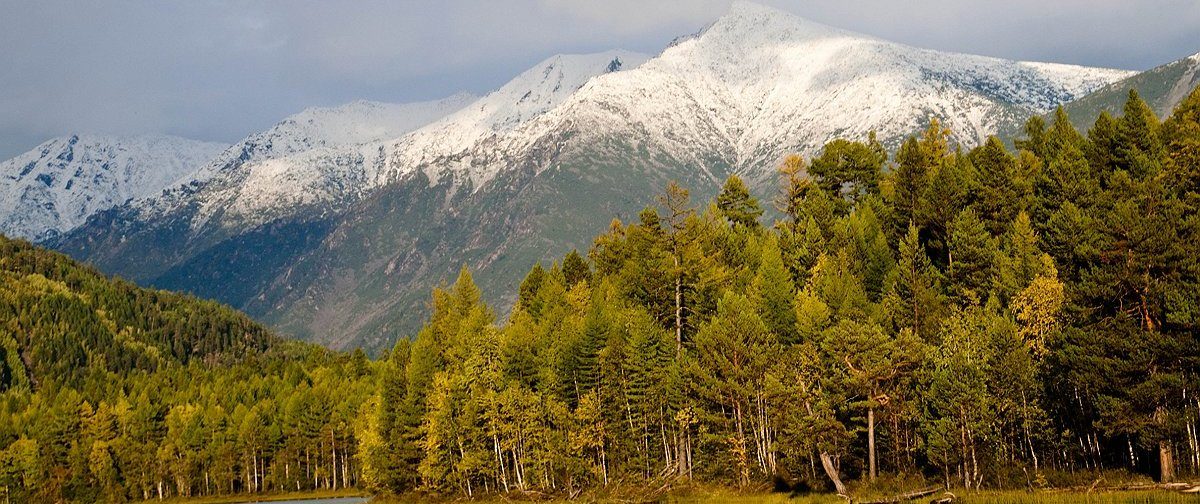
column 948, row 499
column 904, row 497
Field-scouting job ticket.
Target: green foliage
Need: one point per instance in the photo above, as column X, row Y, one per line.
column 850, row 169
column 989, row 319
column 737, row 205
column 972, row 258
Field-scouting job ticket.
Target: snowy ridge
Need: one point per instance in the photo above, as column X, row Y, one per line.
column 754, row 85
column 525, row 97
column 314, row 156
column 60, row 183
column 759, row 83
column 311, row 173
column 350, row 124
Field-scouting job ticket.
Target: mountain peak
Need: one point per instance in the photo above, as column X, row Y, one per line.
column 741, row 8
column 746, row 18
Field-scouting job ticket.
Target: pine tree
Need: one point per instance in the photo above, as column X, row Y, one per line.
column 575, row 268
column 864, row 243
column 1020, row 260
column 737, row 205
column 960, row 411
column 913, row 300
column 1181, row 136
column 849, row 169
column 732, row 355
column 999, row 198
column 774, row 294
column 528, row 292
column 971, row 259
column 872, row 362
column 1101, row 148
column 1036, row 140
column 1138, row 133
column 917, row 161
column 1067, row 178
column 949, row 192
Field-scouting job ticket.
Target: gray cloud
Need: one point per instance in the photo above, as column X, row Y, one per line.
column 217, row 70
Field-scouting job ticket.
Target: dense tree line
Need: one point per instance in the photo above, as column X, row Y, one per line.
column 980, row 317
column 267, row 423
column 988, row 317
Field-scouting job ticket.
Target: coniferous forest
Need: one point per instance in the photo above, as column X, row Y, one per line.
column 1015, row 316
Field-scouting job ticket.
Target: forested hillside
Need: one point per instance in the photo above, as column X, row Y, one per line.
column 61, row 322
column 979, row 319
column 111, row 392
column 982, row 318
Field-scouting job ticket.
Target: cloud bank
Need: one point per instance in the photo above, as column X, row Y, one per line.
column 217, row 70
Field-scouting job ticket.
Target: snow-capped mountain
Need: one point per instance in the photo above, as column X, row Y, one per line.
column 308, row 168
column 340, row 242
column 60, row 183
column 351, row 124
column 316, row 155
column 328, row 172
column 459, row 139
column 760, row 83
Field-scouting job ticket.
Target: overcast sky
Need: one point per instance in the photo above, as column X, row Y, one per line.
column 217, row 70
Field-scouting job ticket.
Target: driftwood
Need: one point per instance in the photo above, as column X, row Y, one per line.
column 904, row 497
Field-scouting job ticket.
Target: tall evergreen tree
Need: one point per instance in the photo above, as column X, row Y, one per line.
column 972, row 254
column 737, row 205
column 774, row 294
column 849, row 169
column 999, row 198
column 913, row 300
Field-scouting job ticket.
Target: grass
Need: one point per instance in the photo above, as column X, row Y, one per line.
column 719, row 495
column 1055, row 497
column 758, row 495
column 274, row 497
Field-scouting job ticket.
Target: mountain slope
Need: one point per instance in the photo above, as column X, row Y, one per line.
column 1162, row 88
column 735, row 98
column 61, row 321
column 266, row 206
column 267, row 176
column 60, row 183
column 538, row 166
column 461, row 141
